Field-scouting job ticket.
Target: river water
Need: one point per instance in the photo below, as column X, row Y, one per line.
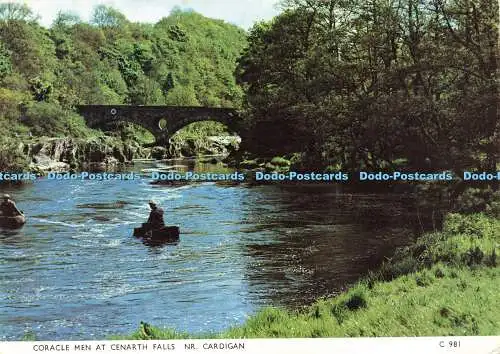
column 75, row 271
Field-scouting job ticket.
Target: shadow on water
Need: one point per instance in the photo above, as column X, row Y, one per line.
column 154, row 244
column 323, row 242
column 13, row 237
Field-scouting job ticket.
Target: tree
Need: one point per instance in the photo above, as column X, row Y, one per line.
column 182, row 96
column 66, row 20
column 168, row 84
column 5, row 62
column 366, row 83
column 32, row 52
column 146, row 92
column 16, row 12
column 41, row 89
column 107, row 16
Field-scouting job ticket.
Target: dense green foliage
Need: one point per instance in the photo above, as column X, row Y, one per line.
column 184, row 59
column 445, row 284
column 10, row 156
column 362, row 84
column 194, row 137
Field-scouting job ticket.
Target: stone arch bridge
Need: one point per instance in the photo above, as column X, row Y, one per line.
column 152, row 117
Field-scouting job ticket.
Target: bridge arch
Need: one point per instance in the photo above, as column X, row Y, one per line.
column 161, row 121
column 228, row 121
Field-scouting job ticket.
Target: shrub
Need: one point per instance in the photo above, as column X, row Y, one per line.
column 50, row 119
column 467, row 240
column 280, row 161
column 493, row 206
column 11, row 157
column 477, row 225
column 472, row 200
column 473, row 256
column 10, row 101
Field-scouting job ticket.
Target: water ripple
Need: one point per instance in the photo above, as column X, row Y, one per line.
column 74, row 271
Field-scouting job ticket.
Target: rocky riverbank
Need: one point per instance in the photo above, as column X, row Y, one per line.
column 104, row 152
column 63, row 154
column 222, row 145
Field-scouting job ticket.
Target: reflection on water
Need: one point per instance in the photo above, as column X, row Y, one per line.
column 75, row 271
column 321, row 241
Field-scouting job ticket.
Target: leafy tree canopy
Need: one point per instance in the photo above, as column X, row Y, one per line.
column 368, row 84
column 184, row 59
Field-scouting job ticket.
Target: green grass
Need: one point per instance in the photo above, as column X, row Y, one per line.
column 445, row 284
column 460, row 303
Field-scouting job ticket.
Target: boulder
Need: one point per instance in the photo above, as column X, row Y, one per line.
column 158, row 152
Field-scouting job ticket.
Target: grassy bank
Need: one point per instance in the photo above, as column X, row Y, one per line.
column 445, row 284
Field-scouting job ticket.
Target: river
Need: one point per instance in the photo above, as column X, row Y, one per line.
column 75, row 271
